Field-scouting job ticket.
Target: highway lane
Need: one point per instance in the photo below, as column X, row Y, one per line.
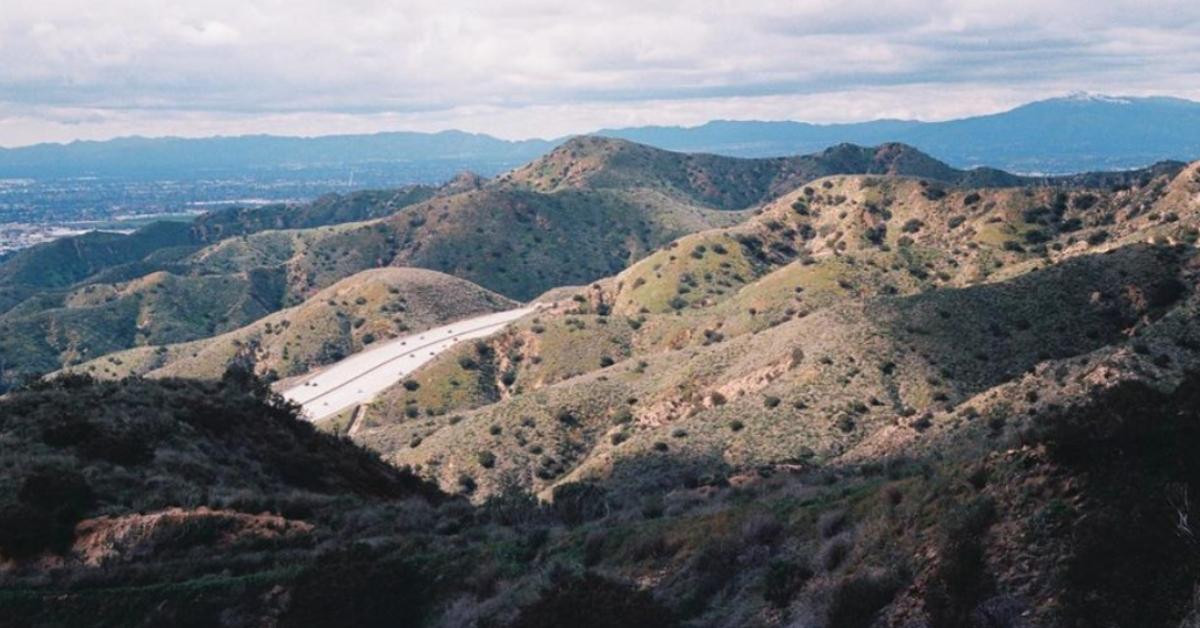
column 360, row 377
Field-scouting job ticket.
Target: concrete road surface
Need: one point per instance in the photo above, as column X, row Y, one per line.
column 360, row 377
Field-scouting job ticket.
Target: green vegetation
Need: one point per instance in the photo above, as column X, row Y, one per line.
column 873, row 400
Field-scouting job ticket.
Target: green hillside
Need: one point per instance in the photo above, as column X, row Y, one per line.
column 365, row 308
column 872, row 399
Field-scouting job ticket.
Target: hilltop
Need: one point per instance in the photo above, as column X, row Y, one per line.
column 821, row 267
column 519, row 235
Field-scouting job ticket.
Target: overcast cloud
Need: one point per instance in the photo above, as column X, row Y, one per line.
column 520, row 68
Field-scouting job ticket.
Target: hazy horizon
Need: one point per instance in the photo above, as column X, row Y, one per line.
column 596, row 129
column 532, row 68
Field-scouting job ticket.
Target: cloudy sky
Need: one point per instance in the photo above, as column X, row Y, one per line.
column 95, row 69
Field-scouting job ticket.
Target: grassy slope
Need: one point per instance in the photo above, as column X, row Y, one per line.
column 813, row 386
column 675, row 334
column 157, row 308
column 342, row 319
column 80, row 297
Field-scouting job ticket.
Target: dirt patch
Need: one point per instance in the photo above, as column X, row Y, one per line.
column 106, row 539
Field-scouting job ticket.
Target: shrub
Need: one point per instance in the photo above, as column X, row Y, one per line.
column 876, row 235
column 51, row 502
column 761, row 528
column 958, row 581
column 912, row 225
column 592, row 601
column 578, row 502
column 782, row 579
column 357, row 587
column 1071, row 224
column 831, row 522
column 68, row 431
column 486, row 459
column 834, row 551
column 125, row 448
column 26, row 531
column 770, row 401
column 512, row 505
column 736, row 425
column 1036, row 236
column 1084, row 201
column 411, row 384
column 857, row 599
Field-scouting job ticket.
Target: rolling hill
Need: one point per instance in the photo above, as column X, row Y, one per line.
column 585, row 211
column 995, row 376
column 903, row 395
column 67, row 261
column 878, row 243
column 340, row 320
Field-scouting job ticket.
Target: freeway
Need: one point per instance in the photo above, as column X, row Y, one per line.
column 359, row 378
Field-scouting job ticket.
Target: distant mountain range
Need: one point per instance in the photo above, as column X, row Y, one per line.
column 1071, row 134
column 251, row 155
column 1061, row 135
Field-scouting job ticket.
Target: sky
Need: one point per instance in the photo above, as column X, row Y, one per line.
column 96, row 69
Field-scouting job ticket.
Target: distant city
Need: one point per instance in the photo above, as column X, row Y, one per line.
column 35, row 210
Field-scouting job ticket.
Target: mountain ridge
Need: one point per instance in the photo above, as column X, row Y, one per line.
column 520, row 235
column 1053, row 136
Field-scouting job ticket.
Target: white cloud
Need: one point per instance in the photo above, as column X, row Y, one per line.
column 70, row 68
